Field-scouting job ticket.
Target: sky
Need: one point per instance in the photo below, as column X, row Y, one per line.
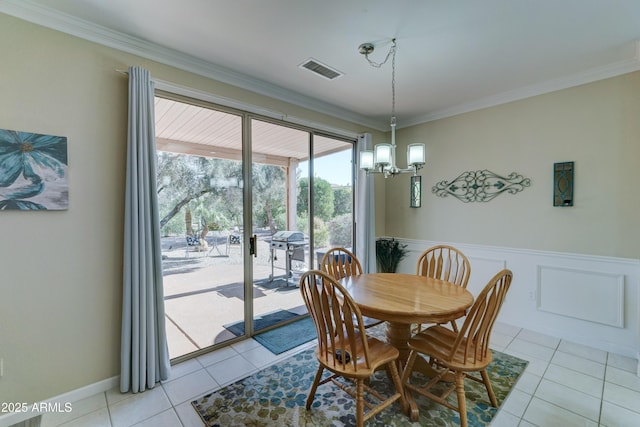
column 335, row 168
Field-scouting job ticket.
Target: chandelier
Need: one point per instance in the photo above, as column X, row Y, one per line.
column 383, row 158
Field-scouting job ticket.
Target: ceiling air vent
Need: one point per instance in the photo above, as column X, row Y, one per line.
column 320, row 69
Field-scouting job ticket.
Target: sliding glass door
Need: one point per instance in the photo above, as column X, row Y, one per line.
column 246, row 204
column 282, row 244
column 201, row 201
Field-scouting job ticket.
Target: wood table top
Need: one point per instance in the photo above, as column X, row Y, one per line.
column 407, row 298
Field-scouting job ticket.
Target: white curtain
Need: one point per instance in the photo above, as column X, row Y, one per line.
column 365, row 212
column 144, row 358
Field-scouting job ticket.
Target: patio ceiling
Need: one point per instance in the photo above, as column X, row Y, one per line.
column 195, row 130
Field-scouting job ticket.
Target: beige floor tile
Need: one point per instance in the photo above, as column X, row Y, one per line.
column 230, row 370
column 569, row 399
column 536, row 366
column 579, row 364
column 528, row 383
column 99, row 418
column 139, row 407
column 506, row 329
column 539, row 338
column 531, row 349
column 575, row 380
column 190, row 386
column 616, row 416
column 583, row 351
column 621, row 396
column 188, row 415
column 516, row 403
column 79, row 409
column 165, row 418
column 623, row 378
column 625, row 363
column 543, row 413
column 505, row 419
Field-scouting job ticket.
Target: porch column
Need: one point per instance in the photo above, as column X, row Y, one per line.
column 292, row 204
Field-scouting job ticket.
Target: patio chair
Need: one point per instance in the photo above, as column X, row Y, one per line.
column 345, row 349
column 461, row 352
column 193, row 243
column 197, row 241
column 445, row 263
column 340, row 263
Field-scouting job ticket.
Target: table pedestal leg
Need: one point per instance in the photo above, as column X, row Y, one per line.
column 398, row 335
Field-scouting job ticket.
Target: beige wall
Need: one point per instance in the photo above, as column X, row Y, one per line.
column 596, row 125
column 61, row 271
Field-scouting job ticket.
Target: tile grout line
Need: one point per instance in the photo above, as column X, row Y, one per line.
column 604, row 384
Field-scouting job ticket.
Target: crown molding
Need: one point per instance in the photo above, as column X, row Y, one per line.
column 584, row 77
column 47, row 17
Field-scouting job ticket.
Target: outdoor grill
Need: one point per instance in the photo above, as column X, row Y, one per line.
column 293, row 244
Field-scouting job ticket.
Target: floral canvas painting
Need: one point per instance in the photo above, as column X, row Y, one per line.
column 33, row 171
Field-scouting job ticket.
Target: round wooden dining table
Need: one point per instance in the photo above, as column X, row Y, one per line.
column 405, row 299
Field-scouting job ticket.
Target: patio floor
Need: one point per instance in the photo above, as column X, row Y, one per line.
column 203, row 292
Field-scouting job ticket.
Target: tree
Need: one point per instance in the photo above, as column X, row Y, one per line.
column 323, row 198
column 269, row 192
column 209, row 187
column 343, row 200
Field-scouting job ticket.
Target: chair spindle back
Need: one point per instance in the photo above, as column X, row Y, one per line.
column 445, row 263
column 337, row 318
column 475, row 332
column 340, row 263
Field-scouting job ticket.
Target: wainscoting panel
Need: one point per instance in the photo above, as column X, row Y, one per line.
column 586, row 299
column 588, row 295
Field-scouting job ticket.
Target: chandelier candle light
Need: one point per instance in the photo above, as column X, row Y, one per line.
column 383, row 158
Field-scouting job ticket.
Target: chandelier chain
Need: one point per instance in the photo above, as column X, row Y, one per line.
column 391, row 54
column 393, row 84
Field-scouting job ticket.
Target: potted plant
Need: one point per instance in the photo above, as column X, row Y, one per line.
column 389, row 253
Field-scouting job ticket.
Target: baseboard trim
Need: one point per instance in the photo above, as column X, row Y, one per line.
column 71, row 396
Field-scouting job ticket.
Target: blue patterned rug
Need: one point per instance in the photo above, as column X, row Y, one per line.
column 276, row 396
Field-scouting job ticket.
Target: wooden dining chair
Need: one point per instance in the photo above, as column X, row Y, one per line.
column 445, row 263
column 345, row 349
column 460, row 352
column 340, row 263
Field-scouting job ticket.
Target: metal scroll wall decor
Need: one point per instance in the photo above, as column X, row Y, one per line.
column 481, row 186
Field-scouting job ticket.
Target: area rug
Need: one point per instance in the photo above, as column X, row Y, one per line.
column 289, row 336
column 276, row 396
column 261, row 322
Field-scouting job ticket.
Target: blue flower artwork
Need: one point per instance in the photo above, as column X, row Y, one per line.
column 33, row 171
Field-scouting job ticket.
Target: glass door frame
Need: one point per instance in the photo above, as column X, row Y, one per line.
column 246, row 118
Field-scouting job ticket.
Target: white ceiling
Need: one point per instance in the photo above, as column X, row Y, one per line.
column 453, row 56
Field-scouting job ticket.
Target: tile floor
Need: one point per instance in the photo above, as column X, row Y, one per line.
column 565, row 384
